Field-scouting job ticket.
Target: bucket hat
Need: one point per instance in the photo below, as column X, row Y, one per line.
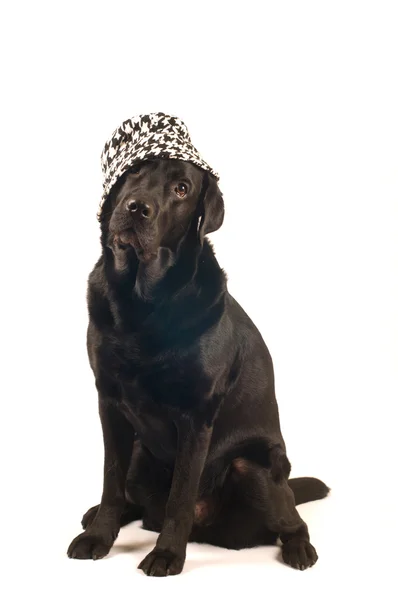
column 154, row 135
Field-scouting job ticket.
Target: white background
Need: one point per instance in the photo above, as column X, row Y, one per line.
column 295, row 104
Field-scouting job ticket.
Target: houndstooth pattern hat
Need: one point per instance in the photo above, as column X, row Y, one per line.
column 155, row 135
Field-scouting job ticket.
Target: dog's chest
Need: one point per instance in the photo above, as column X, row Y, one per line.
column 174, row 378
column 173, row 383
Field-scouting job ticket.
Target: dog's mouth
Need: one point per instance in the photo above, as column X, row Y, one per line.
column 128, row 237
column 141, row 244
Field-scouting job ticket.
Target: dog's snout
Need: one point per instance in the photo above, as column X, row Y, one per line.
column 139, row 209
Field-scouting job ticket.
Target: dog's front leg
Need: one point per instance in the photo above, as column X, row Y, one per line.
column 168, row 556
column 99, row 536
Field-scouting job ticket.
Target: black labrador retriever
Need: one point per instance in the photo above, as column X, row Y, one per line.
column 190, row 421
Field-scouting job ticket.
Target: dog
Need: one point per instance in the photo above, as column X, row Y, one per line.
column 191, row 429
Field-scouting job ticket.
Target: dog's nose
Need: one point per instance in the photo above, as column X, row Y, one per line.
column 141, row 209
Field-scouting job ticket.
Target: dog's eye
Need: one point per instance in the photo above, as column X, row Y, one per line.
column 135, row 169
column 181, row 190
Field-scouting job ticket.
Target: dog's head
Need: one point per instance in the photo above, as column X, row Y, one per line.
column 155, row 204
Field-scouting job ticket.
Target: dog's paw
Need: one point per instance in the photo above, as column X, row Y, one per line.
column 87, row 545
column 299, row 554
column 160, row 563
column 89, row 516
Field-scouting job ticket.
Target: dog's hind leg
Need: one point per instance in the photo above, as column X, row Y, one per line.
column 277, row 504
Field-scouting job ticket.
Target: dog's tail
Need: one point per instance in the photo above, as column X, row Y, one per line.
column 306, row 489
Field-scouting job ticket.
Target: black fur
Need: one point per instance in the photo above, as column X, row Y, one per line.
column 192, row 439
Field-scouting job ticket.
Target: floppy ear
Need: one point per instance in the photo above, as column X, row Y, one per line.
column 212, row 215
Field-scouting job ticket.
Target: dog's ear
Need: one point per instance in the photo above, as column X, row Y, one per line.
column 212, row 213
